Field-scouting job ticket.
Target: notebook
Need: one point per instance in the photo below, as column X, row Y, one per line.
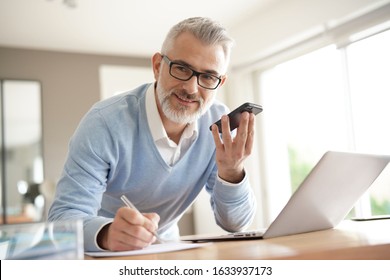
column 323, row 199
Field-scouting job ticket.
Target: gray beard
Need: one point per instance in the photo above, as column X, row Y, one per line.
column 180, row 115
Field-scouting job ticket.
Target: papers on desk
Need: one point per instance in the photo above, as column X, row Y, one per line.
column 152, row 249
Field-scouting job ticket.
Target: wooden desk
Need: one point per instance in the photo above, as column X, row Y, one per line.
column 349, row 240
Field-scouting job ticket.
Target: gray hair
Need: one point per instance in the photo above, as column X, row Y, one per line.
column 204, row 29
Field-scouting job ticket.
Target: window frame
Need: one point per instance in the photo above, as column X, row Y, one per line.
column 341, row 34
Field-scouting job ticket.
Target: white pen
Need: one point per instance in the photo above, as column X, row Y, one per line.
column 128, row 203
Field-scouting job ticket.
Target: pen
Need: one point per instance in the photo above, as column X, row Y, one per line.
column 128, row 203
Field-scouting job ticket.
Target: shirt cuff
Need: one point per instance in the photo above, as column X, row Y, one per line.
column 226, row 183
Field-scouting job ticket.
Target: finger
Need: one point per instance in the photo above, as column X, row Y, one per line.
column 151, row 221
column 130, row 242
column 154, row 217
column 217, row 139
column 242, row 133
column 226, row 136
column 141, row 233
column 122, row 235
column 131, row 216
column 251, row 133
column 135, row 224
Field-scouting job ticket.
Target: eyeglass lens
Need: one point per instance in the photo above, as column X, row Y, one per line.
column 184, row 73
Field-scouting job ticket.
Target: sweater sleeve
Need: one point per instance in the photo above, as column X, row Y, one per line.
column 83, row 182
column 234, row 205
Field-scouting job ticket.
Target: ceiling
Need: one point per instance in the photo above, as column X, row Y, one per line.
column 116, row 27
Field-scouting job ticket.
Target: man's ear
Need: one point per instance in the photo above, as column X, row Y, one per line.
column 223, row 79
column 156, row 65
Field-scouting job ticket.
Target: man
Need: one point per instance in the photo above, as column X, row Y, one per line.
column 153, row 145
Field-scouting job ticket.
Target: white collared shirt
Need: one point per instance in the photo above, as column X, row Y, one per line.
column 169, row 150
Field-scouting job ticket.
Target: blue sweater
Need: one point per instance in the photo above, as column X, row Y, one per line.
column 112, row 153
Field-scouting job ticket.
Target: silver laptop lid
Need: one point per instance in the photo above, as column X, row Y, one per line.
column 328, row 193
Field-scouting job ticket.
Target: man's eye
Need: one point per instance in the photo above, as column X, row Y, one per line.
column 183, row 69
column 207, row 77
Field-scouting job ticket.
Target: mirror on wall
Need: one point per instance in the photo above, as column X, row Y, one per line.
column 21, row 151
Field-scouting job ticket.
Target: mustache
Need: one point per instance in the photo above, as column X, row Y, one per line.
column 183, row 94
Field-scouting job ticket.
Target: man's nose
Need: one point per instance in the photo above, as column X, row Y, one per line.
column 191, row 85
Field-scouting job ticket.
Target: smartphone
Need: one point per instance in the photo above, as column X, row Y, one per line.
column 235, row 115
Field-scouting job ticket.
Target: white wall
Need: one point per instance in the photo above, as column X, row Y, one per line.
column 286, row 21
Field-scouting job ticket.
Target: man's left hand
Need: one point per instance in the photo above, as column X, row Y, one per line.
column 232, row 152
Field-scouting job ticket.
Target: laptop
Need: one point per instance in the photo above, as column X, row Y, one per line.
column 322, row 200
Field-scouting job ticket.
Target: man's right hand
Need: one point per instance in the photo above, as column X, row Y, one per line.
column 130, row 230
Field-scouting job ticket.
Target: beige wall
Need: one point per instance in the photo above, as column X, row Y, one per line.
column 70, row 85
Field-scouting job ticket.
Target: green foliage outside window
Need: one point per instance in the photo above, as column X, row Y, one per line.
column 299, row 168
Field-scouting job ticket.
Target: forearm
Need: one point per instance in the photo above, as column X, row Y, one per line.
column 234, row 205
column 92, row 225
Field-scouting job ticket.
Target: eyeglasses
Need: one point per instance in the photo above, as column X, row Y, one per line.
column 184, row 73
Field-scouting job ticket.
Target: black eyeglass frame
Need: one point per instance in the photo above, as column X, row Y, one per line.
column 194, row 73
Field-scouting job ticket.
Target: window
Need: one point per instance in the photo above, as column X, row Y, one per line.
column 369, row 68
column 331, row 99
column 115, row 79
